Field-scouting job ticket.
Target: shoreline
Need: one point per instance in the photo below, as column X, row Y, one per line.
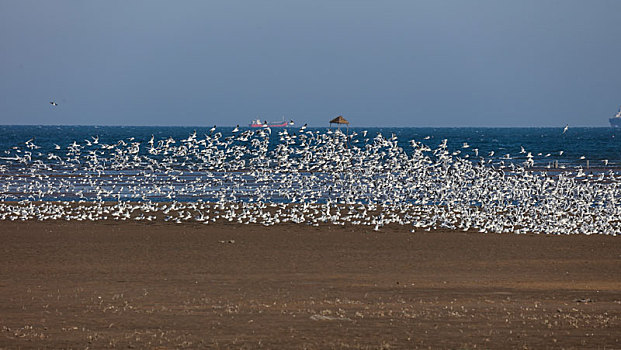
column 129, row 284
column 399, row 216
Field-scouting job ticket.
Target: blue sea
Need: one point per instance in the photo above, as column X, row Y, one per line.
column 592, row 144
column 113, row 163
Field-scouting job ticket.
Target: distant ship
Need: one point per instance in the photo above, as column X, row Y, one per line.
column 615, row 121
column 265, row 124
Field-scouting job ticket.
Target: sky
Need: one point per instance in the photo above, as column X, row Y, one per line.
column 450, row 63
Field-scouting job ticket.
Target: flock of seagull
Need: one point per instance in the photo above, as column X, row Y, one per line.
column 306, row 177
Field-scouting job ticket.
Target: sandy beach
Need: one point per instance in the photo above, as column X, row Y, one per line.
column 138, row 285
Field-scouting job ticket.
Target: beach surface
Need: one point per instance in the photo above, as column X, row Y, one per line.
column 161, row 285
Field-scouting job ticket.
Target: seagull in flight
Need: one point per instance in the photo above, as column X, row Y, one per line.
column 53, row 103
column 565, row 129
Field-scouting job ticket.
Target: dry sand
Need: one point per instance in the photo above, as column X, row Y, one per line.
column 101, row 285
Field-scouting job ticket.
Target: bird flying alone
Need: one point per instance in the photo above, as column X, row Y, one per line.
column 53, row 103
column 565, row 129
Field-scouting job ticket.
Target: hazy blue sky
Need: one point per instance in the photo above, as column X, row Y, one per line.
column 379, row 63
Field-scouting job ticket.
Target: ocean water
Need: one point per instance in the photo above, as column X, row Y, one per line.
column 577, row 145
column 104, row 163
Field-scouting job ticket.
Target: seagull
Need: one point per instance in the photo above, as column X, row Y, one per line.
column 53, row 103
column 236, row 129
column 445, row 189
column 565, row 129
column 212, row 129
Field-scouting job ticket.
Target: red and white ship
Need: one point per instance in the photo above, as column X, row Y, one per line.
column 265, row 124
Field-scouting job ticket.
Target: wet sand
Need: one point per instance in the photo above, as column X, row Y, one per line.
column 138, row 285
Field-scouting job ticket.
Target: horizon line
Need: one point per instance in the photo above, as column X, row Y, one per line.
column 316, row 126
